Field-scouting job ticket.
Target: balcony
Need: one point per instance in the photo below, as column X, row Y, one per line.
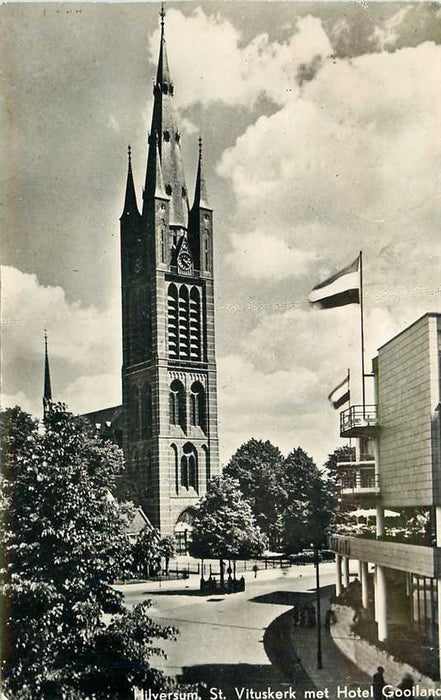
column 360, row 479
column 359, row 421
column 413, row 558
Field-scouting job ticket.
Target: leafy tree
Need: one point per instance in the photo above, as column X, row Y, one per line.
column 166, row 550
column 146, row 552
column 63, row 543
column 307, row 503
column 257, row 466
column 224, row 525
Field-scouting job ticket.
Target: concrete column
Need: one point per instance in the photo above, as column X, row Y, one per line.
column 345, row 572
column 438, row 583
column 338, row 586
column 382, row 604
column 364, row 584
column 360, row 566
column 375, row 595
column 380, row 520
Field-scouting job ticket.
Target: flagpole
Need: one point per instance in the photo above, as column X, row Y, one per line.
column 363, row 388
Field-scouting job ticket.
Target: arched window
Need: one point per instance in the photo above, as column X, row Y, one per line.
column 146, row 411
column 195, row 324
column 173, row 321
column 135, row 464
column 206, row 463
column 134, row 410
column 189, row 470
column 175, row 466
column 197, row 405
column 184, row 345
column 207, row 250
column 162, row 243
column 148, row 473
column 177, row 404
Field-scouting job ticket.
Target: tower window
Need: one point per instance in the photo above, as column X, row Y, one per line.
column 148, row 474
column 197, row 405
column 177, row 404
column 184, row 192
column 168, row 190
column 177, row 137
column 184, row 312
column 173, row 323
column 189, row 472
column 166, row 135
column 146, row 411
column 195, row 325
column 207, row 250
column 162, row 236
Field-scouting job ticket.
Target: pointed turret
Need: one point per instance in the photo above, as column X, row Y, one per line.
column 165, row 133
column 130, row 203
column 200, row 192
column 47, row 390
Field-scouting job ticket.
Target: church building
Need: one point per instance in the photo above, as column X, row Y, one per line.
column 167, row 424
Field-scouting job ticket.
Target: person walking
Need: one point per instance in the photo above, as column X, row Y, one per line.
column 378, row 683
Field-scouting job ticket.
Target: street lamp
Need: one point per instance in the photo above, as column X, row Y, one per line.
column 319, row 620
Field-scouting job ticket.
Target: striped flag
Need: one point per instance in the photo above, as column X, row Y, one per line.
column 339, row 290
column 341, row 394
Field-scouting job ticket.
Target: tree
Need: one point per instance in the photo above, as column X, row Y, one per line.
column 64, row 542
column 166, row 550
column 224, row 525
column 257, row 466
column 307, row 504
column 146, row 552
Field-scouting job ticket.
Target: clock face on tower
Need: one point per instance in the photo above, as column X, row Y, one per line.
column 184, row 260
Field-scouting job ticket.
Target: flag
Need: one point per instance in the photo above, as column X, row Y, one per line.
column 340, row 289
column 341, row 394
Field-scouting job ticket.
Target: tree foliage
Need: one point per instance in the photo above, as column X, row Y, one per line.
column 64, row 541
column 224, row 525
column 257, row 465
column 289, row 497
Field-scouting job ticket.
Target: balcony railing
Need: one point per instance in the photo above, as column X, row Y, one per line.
column 358, row 421
column 348, row 460
column 359, row 481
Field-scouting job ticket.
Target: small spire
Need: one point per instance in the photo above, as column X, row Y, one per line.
column 200, row 192
column 130, row 203
column 162, row 15
column 47, row 390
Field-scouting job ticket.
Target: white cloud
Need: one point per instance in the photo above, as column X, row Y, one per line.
column 264, row 257
column 213, row 65
column 352, row 163
column 81, row 339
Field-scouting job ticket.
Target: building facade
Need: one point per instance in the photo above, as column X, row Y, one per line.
column 400, row 572
column 170, row 438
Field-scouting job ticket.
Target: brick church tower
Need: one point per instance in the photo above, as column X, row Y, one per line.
column 170, row 435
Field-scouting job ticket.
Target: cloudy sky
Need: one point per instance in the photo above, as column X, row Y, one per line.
column 322, row 137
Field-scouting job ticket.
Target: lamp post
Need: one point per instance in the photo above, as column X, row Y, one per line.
column 319, row 620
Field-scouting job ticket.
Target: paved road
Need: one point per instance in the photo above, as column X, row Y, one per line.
column 221, row 638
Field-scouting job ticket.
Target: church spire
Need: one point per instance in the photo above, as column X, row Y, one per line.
column 200, row 192
column 47, row 390
column 165, row 133
column 130, row 204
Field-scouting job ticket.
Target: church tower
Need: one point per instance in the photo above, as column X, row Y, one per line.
column 169, row 367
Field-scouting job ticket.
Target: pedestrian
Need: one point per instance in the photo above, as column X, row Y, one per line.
column 406, row 684
column 296, row 616
column 378, row 683
column 255, row 570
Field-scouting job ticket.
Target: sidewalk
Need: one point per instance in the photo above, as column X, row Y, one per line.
column 337, row 670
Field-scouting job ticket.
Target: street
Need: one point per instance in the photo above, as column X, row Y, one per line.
column 221, row 638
